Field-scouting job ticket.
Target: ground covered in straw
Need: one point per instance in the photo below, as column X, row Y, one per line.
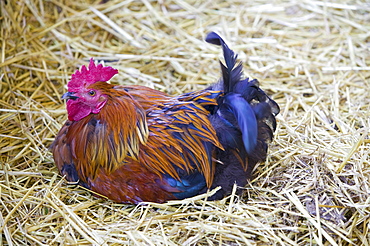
column 312, row 57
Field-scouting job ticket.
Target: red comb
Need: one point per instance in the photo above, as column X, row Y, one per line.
column 87, row 77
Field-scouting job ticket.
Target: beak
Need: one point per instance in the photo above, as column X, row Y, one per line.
column 69, row 95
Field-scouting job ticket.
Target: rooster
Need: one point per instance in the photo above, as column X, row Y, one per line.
column 135, row 144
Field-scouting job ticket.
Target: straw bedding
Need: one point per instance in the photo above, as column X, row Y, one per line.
column 312, row 57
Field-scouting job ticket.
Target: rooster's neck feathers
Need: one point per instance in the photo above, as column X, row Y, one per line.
column 108, row 138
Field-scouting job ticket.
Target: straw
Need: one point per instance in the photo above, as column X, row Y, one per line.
column 312, row 57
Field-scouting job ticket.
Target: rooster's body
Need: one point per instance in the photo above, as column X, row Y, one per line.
column 134, row 144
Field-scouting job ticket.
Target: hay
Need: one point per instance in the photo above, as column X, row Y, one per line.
column 312, row 57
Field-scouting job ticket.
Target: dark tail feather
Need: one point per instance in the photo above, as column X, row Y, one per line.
column 231, row 74
column 241, row 109
column 246, row 119
column 230, row 56
column 253, row 110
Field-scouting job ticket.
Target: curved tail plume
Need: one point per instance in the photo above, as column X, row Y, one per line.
column 233, row 101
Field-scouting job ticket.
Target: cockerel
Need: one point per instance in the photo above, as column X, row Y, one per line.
column 135, row 144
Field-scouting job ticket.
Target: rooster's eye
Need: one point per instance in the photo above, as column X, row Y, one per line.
column 92, row 93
